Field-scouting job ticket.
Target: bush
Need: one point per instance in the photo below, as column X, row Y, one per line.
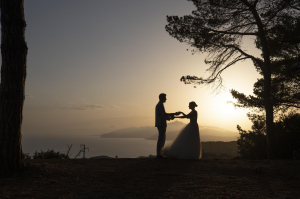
column 253, row 144
column 287, row 136
column 49, row 154
column 150, row 156
column 26, row 156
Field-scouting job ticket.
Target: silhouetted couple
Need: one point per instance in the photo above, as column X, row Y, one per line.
column 187, row 143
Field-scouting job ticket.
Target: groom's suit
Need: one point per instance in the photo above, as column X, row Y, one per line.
column 161, row 118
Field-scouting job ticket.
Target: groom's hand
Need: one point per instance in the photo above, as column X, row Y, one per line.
column 172, row 117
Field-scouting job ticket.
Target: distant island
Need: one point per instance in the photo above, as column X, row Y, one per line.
column 207, row 133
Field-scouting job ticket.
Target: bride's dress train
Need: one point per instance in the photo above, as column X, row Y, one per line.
column 187, row 144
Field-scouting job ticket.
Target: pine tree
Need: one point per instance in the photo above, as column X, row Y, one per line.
column 219, row 27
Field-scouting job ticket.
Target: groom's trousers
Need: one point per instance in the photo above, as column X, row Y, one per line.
column 161, row 139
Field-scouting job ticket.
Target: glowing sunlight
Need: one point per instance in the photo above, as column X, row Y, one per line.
column 223, row 108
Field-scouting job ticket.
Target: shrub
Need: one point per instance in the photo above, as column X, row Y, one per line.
column 253, row 144
column 287, row 136
column 50, row 154
column 26, row 156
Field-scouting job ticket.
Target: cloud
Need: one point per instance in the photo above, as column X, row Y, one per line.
column 85, row 106
column 31, row 96
column 76, row 108
column 92, row 106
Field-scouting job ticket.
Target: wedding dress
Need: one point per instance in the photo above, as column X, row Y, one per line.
column 187, row 144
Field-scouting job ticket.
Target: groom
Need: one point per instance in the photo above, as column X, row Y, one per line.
column 161, row 118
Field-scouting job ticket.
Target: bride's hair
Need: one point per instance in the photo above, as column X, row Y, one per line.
column 193, row 104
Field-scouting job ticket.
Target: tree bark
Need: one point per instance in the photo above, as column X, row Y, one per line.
column 267, row 71
column 269, row 116
column 13, row 75
column 268, row 100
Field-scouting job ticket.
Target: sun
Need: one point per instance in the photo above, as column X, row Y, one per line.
column 222, row 108
column 227, row 109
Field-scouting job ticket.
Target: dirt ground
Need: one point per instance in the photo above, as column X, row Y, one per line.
column 154, row 178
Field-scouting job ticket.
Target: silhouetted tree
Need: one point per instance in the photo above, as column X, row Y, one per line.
column 285, row 92
column 252, row 144
column 219, row 27
column 287, row 136
column 285, row 95
column 13, row 75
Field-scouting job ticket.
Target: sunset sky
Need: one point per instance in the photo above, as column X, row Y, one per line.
column 99, row 65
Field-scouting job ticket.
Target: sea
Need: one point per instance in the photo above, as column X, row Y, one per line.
column 95, row 146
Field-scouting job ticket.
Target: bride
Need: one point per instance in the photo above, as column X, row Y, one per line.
column 187, row 144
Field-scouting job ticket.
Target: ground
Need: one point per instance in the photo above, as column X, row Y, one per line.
column 154, row 178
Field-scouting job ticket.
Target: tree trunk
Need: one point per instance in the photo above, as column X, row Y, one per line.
column 267, row 96
column 267, row 71
column 13, row 75
column 269, row 116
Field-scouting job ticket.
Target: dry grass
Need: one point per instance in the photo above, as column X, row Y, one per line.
column 154, row 178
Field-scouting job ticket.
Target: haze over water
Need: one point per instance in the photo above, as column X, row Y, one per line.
column 112, row 147
column 124, row 143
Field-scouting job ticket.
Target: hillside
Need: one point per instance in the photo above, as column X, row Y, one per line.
column 207, row 133
column 132, row 132
column 204, row 138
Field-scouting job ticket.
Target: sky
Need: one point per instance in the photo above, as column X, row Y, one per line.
column 97, row 66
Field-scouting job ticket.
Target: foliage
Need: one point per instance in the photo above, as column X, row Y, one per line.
column 253, row 144
column 150, row 156
column 50, row 154
column 219, row 28
column 285, row 96
column 26, row 156
column 287, row 136
column 285, row 90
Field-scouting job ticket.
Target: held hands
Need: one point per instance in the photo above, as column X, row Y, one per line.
column 177, row 113
column 171, row 117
